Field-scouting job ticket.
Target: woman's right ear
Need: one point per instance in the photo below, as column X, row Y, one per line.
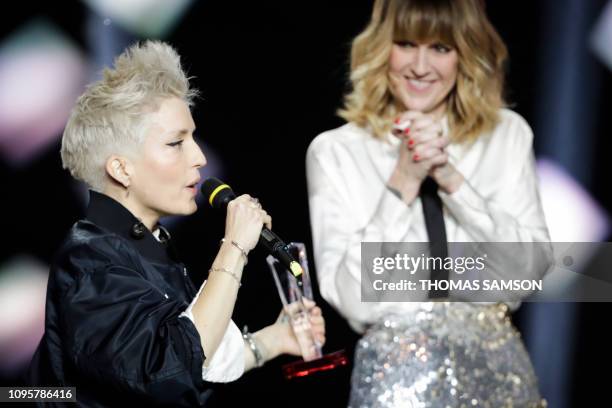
column 118, row 169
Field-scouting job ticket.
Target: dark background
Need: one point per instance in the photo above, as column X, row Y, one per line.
column 272, row 74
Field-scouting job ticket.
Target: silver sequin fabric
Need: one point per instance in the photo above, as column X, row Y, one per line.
column 444, row 354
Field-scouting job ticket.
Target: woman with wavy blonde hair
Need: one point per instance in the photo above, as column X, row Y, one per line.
column 473, row 103
column 429, row 154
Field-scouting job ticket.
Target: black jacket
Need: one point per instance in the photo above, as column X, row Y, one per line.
column 112, row 326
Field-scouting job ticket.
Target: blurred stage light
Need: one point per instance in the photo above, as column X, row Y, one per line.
column 601, row 38
column 41, row 75
column 146, row 18
column 23, row 285
column 571, row 213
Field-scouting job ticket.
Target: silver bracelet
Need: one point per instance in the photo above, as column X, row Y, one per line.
column 231, row 273
column 241, row 249
column 259, row 359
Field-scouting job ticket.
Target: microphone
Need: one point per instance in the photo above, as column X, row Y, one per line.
column 220, row 194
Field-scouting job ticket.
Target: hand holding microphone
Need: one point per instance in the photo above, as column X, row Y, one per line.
column 220, row 195
column 244, row 221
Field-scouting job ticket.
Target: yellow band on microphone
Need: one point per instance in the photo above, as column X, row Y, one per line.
column 296, row 269
column 215, row 192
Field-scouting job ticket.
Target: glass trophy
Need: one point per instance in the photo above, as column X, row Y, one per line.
column 295, row 294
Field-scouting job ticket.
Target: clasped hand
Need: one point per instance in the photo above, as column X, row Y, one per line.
column 422, row 153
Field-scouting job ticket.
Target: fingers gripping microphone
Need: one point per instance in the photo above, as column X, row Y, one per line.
column 220, row 194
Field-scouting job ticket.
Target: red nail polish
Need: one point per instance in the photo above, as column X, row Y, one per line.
column 407, row 130
column 397, row 120
column 410, row 142
column 416, row 157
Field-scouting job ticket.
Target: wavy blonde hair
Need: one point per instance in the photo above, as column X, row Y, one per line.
column 473, row 103
column 111, row 116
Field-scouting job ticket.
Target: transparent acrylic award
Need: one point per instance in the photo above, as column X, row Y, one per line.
column 293, row 291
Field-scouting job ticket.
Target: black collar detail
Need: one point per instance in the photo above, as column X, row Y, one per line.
column 112, row 216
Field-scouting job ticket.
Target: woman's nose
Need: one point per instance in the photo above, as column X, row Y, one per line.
column 199, row 159
column 420, row 63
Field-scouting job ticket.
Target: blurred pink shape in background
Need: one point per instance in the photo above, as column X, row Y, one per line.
column 23, row 285
column 41, row 75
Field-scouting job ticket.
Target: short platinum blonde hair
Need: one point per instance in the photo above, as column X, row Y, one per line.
column 110, row 117
column 473, row 104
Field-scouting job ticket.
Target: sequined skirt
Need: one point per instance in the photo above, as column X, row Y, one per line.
column 444, row 355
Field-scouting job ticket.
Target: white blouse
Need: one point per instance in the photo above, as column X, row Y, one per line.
column 227, row 364
column 347, row 171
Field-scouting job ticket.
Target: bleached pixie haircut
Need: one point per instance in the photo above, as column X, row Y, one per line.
column 111, row 116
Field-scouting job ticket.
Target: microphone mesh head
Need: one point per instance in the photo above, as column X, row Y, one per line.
column 217, row 192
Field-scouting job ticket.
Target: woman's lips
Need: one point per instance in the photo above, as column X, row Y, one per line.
column 418, row 86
